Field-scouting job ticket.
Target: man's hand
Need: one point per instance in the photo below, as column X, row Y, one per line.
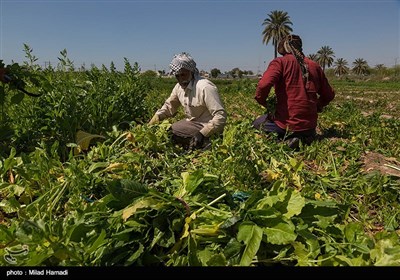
column 155, row 119
column 197, row 141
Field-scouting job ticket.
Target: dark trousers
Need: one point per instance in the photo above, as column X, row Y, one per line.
column 183, row 131
column 264, row 124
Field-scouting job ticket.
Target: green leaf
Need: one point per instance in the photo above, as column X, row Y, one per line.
column 193, row 257
column 78, row 231
column 147, row 202
column 217, row 260
column 384, row 255
column 17, row 98
column 125, row 191
column 10, row 162
column 10, row 205
column 311, row 240
column 301, row 253
column 346, row 260
column 97, row 165
column 83, row 139
column 230, row 222
column 295, row 204
column 5, row 234
column 190, row 182
column 314, row 211
column 135, row 255
column 251, row 235
column 352, row 231
column 98, row 242
column 323, row 221
column 30, row 232
column 282, row 233
column 232, row 248
column 204, row 256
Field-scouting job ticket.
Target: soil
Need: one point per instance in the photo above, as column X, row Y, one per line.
column 376, row 162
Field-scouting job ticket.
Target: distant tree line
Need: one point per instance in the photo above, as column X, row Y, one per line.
column 278, row 24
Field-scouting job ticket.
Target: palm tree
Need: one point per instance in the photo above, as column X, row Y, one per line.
column 313, row 56
column 325, row 56
column 360, row 67
column 380, row 69
column 277, row 25
column 341, row 67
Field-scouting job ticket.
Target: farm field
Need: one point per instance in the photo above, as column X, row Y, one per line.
column 86, row 182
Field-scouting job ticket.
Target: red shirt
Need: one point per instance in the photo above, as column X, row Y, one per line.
column 297, row 105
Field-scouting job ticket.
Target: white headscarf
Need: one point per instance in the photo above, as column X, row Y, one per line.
column 183, row 60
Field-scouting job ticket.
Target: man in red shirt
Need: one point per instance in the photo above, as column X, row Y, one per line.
column 3, row 75
column 302, row 91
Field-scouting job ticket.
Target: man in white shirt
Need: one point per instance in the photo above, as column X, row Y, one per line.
column 199, row 97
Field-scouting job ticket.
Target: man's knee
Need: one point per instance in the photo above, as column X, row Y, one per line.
column 180, row 140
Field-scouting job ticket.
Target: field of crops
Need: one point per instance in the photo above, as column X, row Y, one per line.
column 86, row 182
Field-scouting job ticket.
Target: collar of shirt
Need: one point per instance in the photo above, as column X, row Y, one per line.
column 189, row 88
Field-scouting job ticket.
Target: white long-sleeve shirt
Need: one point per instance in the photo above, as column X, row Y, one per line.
column 201, row 103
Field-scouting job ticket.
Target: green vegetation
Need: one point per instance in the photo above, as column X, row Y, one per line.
column 86, row 182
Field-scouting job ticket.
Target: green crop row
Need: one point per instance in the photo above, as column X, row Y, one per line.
column 86, row 182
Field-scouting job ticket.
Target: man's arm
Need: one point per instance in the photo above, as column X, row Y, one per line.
column 266, row 82
column 216, row 109
column 326, row 92
column 170, row 106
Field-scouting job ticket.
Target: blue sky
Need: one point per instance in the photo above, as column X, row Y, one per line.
column 218, row 34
